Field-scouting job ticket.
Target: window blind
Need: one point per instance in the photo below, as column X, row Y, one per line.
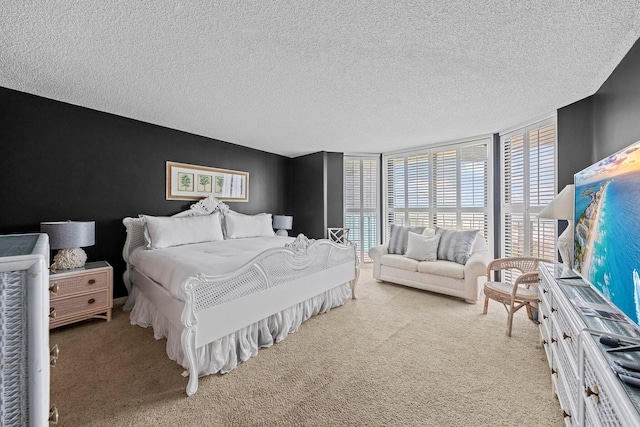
column 361, row 199
column 445, row 186
column 529, row 182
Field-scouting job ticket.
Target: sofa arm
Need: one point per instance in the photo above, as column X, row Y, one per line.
column 476, row 265
column 377, row 252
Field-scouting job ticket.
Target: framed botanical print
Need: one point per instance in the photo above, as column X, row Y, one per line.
column 192, row 182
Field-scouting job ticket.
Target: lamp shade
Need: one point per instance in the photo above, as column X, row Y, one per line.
column 282, row 222
column 561, row 207
column 69, row 234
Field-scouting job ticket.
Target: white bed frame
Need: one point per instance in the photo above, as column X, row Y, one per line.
column 271, row 282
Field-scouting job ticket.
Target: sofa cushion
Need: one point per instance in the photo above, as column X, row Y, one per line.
column 455, row 245
column 421, row 247
column 442, row 268
column 399, row 261
column 399, row 237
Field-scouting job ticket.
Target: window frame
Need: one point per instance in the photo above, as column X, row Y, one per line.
column 360, row 249
column 529, row 212
column 433, row 210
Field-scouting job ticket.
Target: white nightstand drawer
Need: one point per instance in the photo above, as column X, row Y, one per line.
column 81, row 304
column 80, row 283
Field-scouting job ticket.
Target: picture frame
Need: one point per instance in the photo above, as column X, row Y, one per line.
column 193, row 182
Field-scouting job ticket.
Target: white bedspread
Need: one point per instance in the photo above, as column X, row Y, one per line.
column 171, row 267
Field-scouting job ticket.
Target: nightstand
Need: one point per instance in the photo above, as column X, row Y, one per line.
column 80, row 294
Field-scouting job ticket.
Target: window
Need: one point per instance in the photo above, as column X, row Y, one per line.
column 446, row 186
column 361, row 202
column 529, row 184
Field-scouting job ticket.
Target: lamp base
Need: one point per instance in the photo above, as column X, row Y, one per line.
column 67, row 259
column 282, row 233
column 565, row 245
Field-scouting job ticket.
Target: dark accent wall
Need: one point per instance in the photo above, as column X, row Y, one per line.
column 497, row 193
column 599, row 125
column 317, row 193
column 575, row 140
column 617, row 107
column 335, row 190
column 59, row 161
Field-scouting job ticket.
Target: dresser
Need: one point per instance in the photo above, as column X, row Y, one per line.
column 24, row 332
column 573, row 315
column 80, row 294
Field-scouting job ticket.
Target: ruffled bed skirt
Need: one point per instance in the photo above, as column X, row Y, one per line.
column 224, row 354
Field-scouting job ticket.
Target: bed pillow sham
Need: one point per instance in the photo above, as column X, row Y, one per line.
column 240, row 226
column 164, row 232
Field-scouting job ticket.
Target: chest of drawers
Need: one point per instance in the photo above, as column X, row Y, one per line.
column 590, row 394
column 81, row 294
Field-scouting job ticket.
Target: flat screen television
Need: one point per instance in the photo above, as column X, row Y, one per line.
column 607, row 228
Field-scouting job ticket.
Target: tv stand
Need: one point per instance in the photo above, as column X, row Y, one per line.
column 589, row 392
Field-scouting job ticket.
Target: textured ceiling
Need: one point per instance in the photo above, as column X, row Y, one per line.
column 293, row 77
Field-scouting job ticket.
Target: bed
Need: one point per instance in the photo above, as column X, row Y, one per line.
column 218, row 301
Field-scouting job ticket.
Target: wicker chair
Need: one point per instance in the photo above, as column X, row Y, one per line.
column 522, row 293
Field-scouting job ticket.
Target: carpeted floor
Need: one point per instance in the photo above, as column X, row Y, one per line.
column 396, row 356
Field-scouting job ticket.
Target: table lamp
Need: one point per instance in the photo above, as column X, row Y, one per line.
column 70, row 237
column 562, row 208
column 282, row 223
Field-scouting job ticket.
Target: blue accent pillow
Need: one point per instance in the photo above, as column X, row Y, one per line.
column 455, row 245
column 399, row 237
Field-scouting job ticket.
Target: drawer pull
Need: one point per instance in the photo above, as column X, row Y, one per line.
column 553, row 340
column 544, row 291
column 545, row 342
column 53, row 355
column 594, row 393
column 54, row 288
column 52, row 313
column 565, row 414
column 553, row 310
column 545, row 317
column 91, row 301
column 91, row 281
column 567, row 336
column 53, row 414
column 553, row 372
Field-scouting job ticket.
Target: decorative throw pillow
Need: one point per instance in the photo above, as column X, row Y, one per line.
column 239, row 226
column 164, row 232
column 398, row 238
column 429, row 232
column 455, row 245
column 422, row 248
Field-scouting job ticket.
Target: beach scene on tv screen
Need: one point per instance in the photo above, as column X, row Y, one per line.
column 607, row 228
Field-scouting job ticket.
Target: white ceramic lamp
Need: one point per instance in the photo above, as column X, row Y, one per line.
column 282, row 223
column 70, row 237
column 562, row 208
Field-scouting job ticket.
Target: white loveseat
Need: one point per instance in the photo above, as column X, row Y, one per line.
column 445, row 277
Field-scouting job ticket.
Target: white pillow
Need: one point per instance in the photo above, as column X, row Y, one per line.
column 429, row 232
column 163, row 232
column 239, row 226
column 422, row 248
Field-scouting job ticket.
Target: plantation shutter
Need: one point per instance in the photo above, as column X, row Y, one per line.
column 529, row 184
column 445, row 186
column 361, row 202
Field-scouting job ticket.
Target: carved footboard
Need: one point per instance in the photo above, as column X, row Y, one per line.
column 273, row 281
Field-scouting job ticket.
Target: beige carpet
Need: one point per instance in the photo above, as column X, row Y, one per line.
column 396, row 356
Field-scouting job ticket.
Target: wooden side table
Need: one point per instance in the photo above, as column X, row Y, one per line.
column 80, row 294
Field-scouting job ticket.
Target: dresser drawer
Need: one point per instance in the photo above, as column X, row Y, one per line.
column 89, row 282
column 95, row 301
